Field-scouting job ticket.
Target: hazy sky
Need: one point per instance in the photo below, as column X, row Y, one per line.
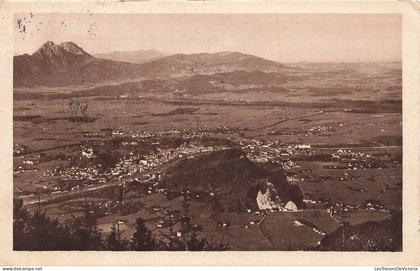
column 284, row 38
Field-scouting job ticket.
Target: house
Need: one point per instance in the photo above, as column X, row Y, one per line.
column 292, row 179
column 284, row 154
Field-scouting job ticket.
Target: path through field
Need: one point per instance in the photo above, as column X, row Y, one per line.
column 263, row 231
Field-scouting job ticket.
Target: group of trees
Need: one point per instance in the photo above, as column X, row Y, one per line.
column 38, row 232
column 78, row 110
column 383, row 235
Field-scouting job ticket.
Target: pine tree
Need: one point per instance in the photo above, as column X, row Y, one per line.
column 171, row 241
column 142, row 239
column 221, row 246
column 20, row 217
column 191, row 240
column 85, row 233
column 37, row 231
column 114, row 241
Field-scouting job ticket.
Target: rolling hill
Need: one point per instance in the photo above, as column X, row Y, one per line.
column 205, row 63
column 233, row 80
column 231, row 175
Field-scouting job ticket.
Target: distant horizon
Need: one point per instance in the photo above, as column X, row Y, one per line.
column 284, row 38
column 165, row 54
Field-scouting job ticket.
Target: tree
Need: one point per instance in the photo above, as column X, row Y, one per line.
column 78, row 110
column 114, row 241
column 191, row 240
column 47, row 234
column 172, row 242
column 37, row 231
column 84, row 231
column 142, row 239
column 215, row 203
column 220, row 246
column 238, row 208
column 385, row 235
column 20, row 216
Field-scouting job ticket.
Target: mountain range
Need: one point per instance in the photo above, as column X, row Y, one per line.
column 137, row 56
column 65, row 64
column 68, row 64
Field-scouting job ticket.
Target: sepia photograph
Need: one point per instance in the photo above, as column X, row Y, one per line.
column 207, row 132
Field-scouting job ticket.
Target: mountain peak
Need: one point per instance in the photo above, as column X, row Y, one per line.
column 50, row 49
column 48, row 44
column 72, row 48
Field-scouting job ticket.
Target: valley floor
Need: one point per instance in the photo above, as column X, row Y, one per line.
column 347, row 164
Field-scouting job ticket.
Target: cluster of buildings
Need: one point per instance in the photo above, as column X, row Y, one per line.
column 73, row 177
column 136, row 164
column 187, row 132
column 275, row 152
column 165, row 217
column 26, row 165
column 382, row 123
column 348, row 154
column 132, row 166
column 321, row 130
column 359, row 160
column 342, row 208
